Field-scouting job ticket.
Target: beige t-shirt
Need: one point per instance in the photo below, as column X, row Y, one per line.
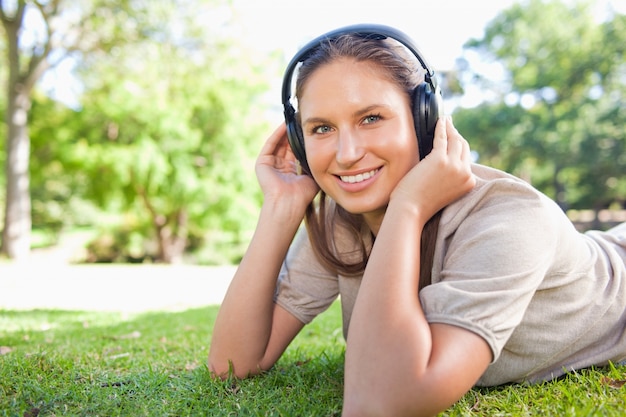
column 508, row 266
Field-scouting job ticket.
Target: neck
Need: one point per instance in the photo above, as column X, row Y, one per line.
column 374, row 220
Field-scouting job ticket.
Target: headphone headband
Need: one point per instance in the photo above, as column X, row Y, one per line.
column 372, row 31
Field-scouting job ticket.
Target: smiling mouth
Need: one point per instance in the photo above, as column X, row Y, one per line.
column 352, row 179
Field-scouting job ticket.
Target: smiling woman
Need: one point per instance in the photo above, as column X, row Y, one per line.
column 445, row 270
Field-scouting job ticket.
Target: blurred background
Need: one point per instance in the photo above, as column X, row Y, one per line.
column 131, row 126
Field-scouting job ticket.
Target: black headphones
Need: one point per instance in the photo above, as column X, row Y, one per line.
column 427, row 99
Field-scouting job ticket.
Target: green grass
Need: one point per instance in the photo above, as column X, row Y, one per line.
column 153, row 364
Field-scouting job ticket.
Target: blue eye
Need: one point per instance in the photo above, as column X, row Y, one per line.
column 372, row 118
column 321, row 129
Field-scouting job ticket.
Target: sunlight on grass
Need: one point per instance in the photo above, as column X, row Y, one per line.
column 153, row 364
column 43, row 320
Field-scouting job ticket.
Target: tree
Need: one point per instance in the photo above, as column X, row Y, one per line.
column 178, row 124
column 555, row 117
column 168, row 132
column 39, row 35
column 17, row 221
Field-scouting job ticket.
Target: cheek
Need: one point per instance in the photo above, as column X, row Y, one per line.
column 402, row 147
column 318, row 149
column 404, row 162
column 317, row 156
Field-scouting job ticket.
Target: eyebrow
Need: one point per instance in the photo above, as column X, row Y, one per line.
column 358, row 113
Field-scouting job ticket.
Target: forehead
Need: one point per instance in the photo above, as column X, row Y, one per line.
column 346, row 82
column 352, row 67
column 346, row 71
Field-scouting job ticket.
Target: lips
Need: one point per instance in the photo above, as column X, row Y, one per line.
column 353, row 179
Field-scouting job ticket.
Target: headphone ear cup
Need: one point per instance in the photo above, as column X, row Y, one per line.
column 427, row 108
column 296, row 141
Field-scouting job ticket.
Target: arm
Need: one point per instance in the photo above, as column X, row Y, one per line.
column 250, row 331
column 396, row 362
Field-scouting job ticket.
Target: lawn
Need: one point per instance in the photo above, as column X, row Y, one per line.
column 62, row 363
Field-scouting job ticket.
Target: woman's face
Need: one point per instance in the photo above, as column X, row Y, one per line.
column 359, row 134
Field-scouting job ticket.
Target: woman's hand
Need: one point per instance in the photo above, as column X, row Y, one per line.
column 251, row 331
column 440, row 178
column 277, row 171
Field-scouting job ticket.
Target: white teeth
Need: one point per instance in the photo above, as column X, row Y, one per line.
column 359, row 177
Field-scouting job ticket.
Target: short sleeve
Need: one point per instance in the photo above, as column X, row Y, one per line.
column 305, row 288
column 493, row 251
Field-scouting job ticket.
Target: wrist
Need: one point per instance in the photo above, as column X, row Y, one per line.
column 409, row 210
column 283, row 210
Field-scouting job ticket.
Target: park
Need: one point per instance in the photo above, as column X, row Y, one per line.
column 127, row 208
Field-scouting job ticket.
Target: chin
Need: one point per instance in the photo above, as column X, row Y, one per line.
column 360, row 208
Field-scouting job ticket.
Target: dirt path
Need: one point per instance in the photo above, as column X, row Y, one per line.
column 48, row 279
column 37, row 284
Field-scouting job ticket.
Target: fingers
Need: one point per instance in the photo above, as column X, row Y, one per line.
column 440, row 140
column 277, row 147
column 276, row 154
column 462, row 145
column 452, row 152
column 448, row 141
column 278, row 137
column 446, row 136
column 459, row 154
column 456, row 142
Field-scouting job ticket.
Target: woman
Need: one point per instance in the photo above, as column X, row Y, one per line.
column 451, row 274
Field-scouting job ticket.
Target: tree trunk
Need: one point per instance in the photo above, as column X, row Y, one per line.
column 173, row 238
column 17, row 219
column 17, row 216
column 171, row 233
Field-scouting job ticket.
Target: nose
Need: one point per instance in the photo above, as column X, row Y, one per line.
column 350, row 148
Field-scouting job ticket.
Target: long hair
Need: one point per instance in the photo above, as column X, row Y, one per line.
column 323, row 217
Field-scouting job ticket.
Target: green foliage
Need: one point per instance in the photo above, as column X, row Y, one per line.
column 533, row 40
column 153, row 364
column 558, row 118
column 58, row 182
column 166, row 135
column 160, row 142
column 125, row 243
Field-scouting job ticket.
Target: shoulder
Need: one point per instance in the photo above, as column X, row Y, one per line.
column 495, row 183
column 502, row 197
column 503, row 218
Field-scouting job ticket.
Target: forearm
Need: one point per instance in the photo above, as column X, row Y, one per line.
column 244, row 322
column 396, row 363
column 390, row 343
